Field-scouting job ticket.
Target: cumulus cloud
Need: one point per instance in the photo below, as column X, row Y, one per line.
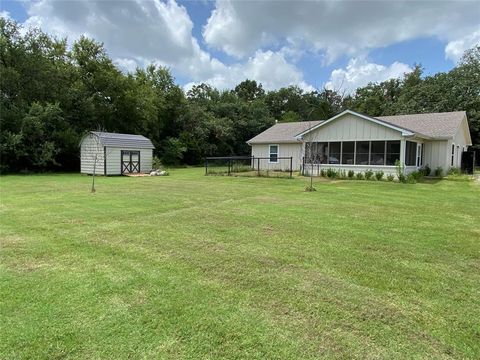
column 359, row 73
column 5, row 15
column 136, row 33
column 334, row 27
column 269, row 68
column 455, row 49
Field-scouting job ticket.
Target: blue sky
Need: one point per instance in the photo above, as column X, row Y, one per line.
column 314, row 44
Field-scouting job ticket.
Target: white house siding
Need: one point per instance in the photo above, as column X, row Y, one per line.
column 114, row 159
column 436, row 154
column 293, row 150
column 89, row 147
column 351, row 128
column 461, row 141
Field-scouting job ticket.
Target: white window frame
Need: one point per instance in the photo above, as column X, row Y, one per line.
column 270, row 153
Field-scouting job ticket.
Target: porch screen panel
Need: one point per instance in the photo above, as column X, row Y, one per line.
column 363, row 149
column 316, row 152
column 322, row 152
column 334, row 153
column 393, row 152
column 348, row 152
column 377, row 153
column 410, row 153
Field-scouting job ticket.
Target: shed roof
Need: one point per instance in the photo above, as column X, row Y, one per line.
column 283, row 132
column 124, row 140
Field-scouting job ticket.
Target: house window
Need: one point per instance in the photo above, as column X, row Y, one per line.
column 453, row 154
column 334, row 153
column 392, row 153
column 377, row 153
column 362, row 153
column 410, row 153
column 348, row 152
column 273, row 153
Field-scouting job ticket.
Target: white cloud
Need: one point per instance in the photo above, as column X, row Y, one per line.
column 334, row 28
column 455, row 49
column 5, row 15
column 136, row 33
column 269, row 68
column 359, row 73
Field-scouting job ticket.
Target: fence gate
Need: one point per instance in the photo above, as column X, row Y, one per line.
column 468, row 162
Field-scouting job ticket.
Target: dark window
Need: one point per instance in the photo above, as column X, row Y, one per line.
column 410, row 153
column 348, row 152
column 362, row 155
column 334, row 153
column 377, row 153
column 453, row 154
column 273, row 153
column 393, row 152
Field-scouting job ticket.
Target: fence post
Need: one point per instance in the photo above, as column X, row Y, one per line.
column 258, row 166
column 229, row 162
column 303, row 165
column 206, row 166
column 291, row 165
column 252, row 162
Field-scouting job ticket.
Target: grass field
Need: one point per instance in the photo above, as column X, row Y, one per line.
column 195, row 267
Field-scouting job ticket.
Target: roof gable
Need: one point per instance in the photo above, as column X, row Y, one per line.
column 403, row 131
column 123, row 140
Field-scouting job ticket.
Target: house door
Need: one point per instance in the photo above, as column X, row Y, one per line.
column 130, row 161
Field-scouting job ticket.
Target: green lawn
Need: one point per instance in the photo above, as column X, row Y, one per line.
column 195, row 267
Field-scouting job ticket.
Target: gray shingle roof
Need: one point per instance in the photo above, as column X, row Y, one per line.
column 124, row 140
column 434, row 125
column 282, row 132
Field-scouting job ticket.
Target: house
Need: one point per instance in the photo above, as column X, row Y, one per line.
column 353, row 141
column 115, row 154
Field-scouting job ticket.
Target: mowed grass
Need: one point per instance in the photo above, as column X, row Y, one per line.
column 196, row 267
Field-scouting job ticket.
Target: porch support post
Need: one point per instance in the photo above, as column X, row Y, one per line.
column 403, row 146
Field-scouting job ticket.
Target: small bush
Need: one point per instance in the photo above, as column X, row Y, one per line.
column 454, row 171
column 368, row 174
column 351, row 174
column 359, row 176
column 411, row 178
column 156, row 163
column 390, row 177
column 402, row 178
column 331, row 173
column 379, row 175
column 426, row 170
column 309, row 188
column 342, row 174
column 417, row 175
column 439, row 171
column 323, row 173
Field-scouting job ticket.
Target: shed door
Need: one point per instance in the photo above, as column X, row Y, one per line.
column 130, row 161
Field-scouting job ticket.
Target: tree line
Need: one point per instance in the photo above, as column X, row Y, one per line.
column 52, row 94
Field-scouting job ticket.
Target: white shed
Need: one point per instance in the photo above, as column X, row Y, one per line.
column 115, row 154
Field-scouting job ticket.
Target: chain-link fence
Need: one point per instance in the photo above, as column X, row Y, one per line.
column 249, row 166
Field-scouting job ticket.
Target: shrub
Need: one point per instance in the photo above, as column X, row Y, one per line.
column 309, row 188
column 454, row 171
column 439, row 171
column 368, row 174
column 351, row 174
column 342, row 174
column 411, row 178
column 426, row 170
column 402, row 178
column 417, row 175
column 156, row 163
column 323, row 173
column 331, row 173
column 359, row 176
column 390, row 177
column 379, row 175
